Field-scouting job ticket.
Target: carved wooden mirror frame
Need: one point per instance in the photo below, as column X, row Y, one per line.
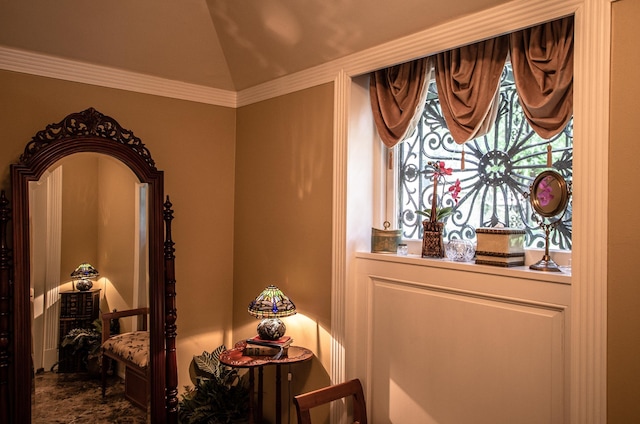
column 86, row 131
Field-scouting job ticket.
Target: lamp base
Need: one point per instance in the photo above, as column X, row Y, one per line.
column 84, row 285
column 271, row 329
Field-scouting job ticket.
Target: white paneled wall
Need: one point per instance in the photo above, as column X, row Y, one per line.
column 440, row 342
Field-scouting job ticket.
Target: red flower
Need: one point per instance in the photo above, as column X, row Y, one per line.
column 454, row 190
column 442, row 170
column 437, row 211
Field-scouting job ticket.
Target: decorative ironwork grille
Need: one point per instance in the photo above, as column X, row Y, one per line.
column 499, row 168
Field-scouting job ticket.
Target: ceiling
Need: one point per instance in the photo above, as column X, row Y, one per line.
column 223, row 44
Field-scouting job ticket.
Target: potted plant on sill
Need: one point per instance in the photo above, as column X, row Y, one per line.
column 433, row 226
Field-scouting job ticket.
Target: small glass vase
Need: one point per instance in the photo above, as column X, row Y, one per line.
column 460, row 250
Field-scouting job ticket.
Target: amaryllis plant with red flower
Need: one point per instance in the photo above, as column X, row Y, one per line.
column 437, row 212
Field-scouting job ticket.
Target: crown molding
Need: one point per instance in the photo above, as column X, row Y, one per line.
column 498, row 20
column 69, row 70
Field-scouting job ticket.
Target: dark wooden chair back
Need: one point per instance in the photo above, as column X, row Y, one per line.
column 108, row 316
column 349, row 389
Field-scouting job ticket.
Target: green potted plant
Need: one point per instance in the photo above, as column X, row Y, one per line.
column 85, row 343
column 433, row 226
column 220, row 394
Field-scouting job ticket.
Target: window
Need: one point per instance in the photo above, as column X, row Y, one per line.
column 499, row 167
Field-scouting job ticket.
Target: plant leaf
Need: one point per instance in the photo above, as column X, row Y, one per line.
column 444, row 212
column 216, row 353
column 207, row 363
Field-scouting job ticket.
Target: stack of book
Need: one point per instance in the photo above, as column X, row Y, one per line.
column 500, row 246
column 274, row 348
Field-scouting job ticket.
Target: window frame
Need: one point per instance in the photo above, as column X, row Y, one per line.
column 390, row 189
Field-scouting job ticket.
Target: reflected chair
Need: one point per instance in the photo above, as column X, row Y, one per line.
column 131, row 349
column 349, row 389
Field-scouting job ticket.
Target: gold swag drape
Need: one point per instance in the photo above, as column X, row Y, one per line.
column 542, row 62
column 468, row 81
column 397, row 97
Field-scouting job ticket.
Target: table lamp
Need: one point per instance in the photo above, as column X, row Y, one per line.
column 83, row 273
column 271, row 305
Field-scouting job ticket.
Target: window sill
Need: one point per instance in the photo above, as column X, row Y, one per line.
column 519, row 272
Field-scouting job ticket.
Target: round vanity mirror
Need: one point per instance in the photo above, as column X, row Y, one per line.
column 549, row 196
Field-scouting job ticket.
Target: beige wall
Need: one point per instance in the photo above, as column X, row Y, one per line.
column 79, row 211
column 194, row 144
column 283, row 221
column 623, row 330
column 116, row 235
column 98, row 225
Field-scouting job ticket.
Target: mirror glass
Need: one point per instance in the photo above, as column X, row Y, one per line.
column 549, row 194
column 86, row 208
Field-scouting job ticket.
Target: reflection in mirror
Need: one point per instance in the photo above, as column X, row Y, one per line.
column 549, row 195
column 88, row 131
column 87, row 207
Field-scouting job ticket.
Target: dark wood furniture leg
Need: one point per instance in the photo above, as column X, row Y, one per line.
column 278, row 394
column 252, row 407
column 103, row 371
column 260, row 394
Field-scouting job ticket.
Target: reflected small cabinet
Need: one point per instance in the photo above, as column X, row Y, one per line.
column 78, row 309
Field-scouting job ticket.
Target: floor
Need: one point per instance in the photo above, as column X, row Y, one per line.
column 73, row 398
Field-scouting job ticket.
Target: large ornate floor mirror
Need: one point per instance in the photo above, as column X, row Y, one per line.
column 92, row 140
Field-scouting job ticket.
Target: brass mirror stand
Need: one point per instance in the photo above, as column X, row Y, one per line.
column 546, row 263
column 549, row 195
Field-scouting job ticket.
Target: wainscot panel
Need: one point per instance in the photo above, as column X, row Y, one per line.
column 438, row 342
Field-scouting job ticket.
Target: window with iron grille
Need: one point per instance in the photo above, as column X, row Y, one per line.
column 499, row 168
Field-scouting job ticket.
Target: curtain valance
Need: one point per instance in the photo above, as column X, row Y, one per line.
column 542, row 62
column 397, row 98
column 468, row 80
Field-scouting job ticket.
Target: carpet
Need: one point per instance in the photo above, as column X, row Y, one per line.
column 73, row 398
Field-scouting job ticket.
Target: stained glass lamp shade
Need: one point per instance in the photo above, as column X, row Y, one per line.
column 271, row 305
column 83, row 273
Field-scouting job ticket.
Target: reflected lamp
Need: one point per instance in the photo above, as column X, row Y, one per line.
column 83, row 274
column 271, row 305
